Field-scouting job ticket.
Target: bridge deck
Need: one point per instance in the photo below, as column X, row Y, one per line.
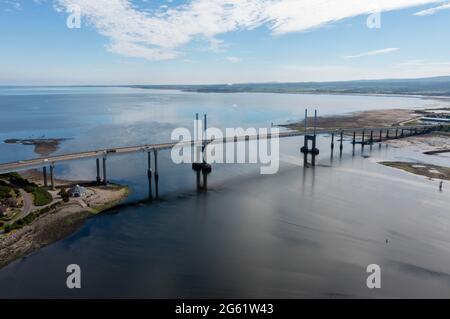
column 52, row 160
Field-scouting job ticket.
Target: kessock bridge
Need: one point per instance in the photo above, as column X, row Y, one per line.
column 365, row 136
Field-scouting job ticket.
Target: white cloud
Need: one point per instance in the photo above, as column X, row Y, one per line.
column 233, row 59
column 371, row 53
column 160, row 34
column 11, row 5
column 434, row 10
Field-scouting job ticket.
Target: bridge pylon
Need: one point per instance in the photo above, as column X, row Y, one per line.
column 313, row 151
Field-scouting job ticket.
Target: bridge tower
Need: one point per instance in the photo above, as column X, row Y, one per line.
column 314, row 151
column 202, row 167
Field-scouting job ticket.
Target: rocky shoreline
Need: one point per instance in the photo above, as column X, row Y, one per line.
column 59, row 222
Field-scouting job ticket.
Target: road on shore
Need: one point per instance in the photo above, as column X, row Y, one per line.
column 27, row 204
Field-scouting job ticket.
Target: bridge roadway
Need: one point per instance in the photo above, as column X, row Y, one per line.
column 53, row 160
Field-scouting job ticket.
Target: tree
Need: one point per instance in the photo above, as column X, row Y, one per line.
column 64, row 195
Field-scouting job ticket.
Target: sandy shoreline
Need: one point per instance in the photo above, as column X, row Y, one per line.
column 433, row 172
column 378, row 118
column 434, row 143
column 61, row 221
column 42, row 146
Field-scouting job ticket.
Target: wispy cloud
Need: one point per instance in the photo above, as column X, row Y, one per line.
column 431, row 11
column 160, row 34
column 11, row 5
column 233, row 59
column 371, row 53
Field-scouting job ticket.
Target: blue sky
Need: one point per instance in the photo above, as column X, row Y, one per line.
column 227, row 41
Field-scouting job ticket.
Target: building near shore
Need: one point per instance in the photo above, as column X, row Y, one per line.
column 78, row 191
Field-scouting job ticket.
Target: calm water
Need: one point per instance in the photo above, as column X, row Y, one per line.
column 299, row 233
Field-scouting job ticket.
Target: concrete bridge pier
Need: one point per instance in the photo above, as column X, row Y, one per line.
column 205, row 180
column 44, row 172
column 371, row 138
column 198, row 181
column 105, row 179
column 402, row 134
column 52, row 176
column 332, row 142
column 341, row 146
column 387, row 134
column 99, row 180
column 314, row 151
column 156, row 174
column 305, row 151
column 396, row 132
column 354, row 143
column 363, row 138
column 202, row 168
column 149, row 176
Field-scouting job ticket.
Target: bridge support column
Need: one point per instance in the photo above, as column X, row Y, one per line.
column 402, row 134
column 363, row 138
column 155, row 152
column 341, row 146
column 44, row 172
column 354, row 143
column 149, row 175
column 387, row 134
column 52, row 176
column 99, row 180
column 199, row 185
column 205, row 127
column 313, row 151
column 332, row 141
column 371, row 138
column 396, row 132
column 105, row 179
column 205, row 180
column 313, row 138
column 305, row 151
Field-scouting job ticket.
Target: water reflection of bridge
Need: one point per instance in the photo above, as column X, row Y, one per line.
column 363, row 136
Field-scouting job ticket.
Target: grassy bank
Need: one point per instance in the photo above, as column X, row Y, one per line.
column 41, row 197
column 18, row 224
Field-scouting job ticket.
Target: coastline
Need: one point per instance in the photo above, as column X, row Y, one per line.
column 389, row 117
column 60, row 220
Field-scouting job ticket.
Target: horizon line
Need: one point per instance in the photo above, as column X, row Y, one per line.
column 214, row 84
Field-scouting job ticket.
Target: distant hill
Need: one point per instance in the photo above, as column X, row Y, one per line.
column 436, row 86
